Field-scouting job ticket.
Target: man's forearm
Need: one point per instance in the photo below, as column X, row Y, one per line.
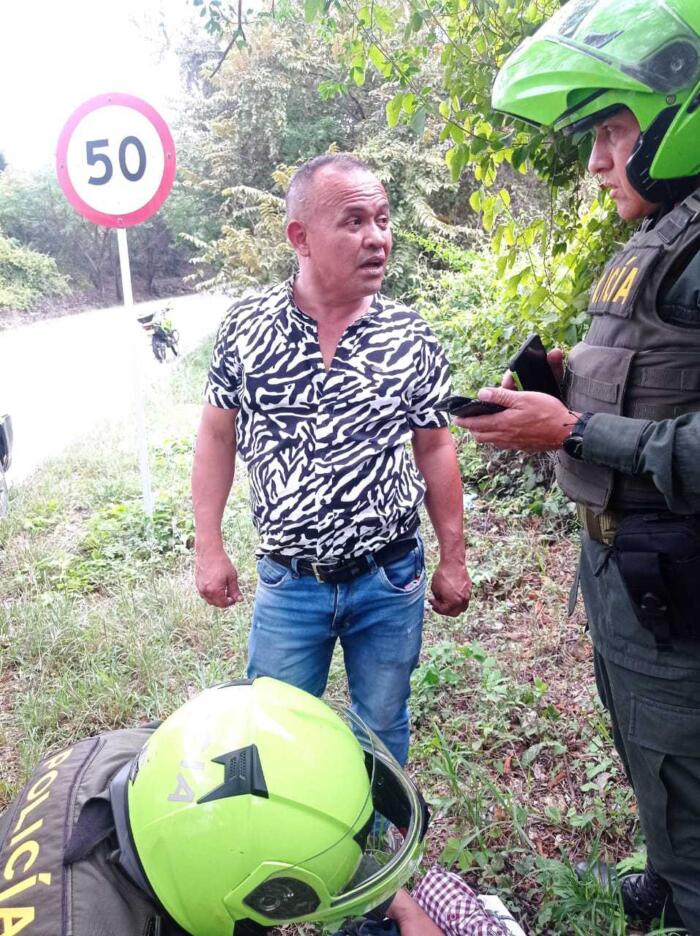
column 443, row 496
column 410, row 917
column 213, row 471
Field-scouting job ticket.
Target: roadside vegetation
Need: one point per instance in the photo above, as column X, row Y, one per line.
column 100, row 627
column 27, row 276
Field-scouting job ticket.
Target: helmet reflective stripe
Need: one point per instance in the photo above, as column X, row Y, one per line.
column 593, row 55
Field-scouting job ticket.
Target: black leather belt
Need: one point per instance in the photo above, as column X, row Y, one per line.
column 340, row 570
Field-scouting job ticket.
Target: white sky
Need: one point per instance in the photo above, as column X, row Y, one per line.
column 55, row 54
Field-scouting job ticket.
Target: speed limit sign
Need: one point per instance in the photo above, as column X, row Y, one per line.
column 116, row 160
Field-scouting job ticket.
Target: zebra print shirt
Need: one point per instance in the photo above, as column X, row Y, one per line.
column 330, row 473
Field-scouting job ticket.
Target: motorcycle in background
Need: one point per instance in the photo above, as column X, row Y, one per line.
column 5, row 461
column 163, row 335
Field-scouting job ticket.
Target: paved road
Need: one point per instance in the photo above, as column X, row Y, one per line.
column 61, row 377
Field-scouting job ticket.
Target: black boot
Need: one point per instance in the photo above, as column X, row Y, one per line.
column 646, row 896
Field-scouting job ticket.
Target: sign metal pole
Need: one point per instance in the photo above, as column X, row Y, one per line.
column 142, row 441
column 115, row 162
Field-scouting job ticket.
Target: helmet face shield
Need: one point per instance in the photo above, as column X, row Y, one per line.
column 389, row 833
column 257, row 801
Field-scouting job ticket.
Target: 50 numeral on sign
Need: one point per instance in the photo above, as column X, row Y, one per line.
column 94, row 158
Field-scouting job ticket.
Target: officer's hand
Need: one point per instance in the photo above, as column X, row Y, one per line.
column 410, row 918
column 532, row 422
column 216, row 578
column 555, row 357
column 451, row 588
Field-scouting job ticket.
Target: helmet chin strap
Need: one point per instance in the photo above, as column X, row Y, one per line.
column 657, row 191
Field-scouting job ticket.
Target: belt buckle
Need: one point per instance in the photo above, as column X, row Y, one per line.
column 318, row 571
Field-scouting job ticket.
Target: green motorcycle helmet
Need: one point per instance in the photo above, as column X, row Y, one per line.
column 256, row 801
column 594, row 57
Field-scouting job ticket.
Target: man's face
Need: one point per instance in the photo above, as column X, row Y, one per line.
column 615, row 138
column 348, row 233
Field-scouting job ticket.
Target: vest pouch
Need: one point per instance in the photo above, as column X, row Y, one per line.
column 658, row 555
column 595, row 382
column 596, row 376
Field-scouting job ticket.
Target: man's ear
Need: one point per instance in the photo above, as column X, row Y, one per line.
column 296, row 234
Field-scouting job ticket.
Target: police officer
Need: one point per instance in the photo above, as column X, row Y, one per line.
column 249, row 807
column 628, row 438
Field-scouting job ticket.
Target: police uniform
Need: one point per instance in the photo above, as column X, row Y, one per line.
column 60, row 875
column 638, row 489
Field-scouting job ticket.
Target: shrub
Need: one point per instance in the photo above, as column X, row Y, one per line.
column 27, row 276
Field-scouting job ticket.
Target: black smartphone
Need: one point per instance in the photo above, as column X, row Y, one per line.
column 467, row 407
column 531, row 368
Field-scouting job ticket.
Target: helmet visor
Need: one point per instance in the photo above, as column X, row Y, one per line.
column 648, row 41
column 366, row 865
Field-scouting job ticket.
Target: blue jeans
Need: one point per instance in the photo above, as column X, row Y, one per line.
column 378, row 618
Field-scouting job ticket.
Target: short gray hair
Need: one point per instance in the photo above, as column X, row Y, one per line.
column 299, row 192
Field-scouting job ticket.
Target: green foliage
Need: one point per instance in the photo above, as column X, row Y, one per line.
column 118, row 545
column 493, row 750
column 580, row 902
column 35, row 212
column 521, row 485
column 264, row 108
column 252, row 248
column 122, row 544
column 462, row 308
column 27, row 276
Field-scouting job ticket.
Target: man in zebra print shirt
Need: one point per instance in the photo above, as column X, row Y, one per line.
column 319, row 383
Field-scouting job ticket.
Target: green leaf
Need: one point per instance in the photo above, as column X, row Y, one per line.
column 379, row 60
column 416, row 21
column 455, row 160
column 394, row 108
column 531, row 753
column 383, row 19
column 311, row 9
column 358, row 75
column 409, row 102
column 418, row 121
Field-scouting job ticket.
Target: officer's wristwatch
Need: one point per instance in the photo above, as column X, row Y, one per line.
column 573, row 443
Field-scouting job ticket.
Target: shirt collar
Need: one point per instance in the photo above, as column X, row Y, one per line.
column 376, row 305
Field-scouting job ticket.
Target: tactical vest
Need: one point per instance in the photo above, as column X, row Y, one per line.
column 631, row 363
column 54, row 880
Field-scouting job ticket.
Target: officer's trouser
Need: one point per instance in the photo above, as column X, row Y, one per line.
column 656, row 724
